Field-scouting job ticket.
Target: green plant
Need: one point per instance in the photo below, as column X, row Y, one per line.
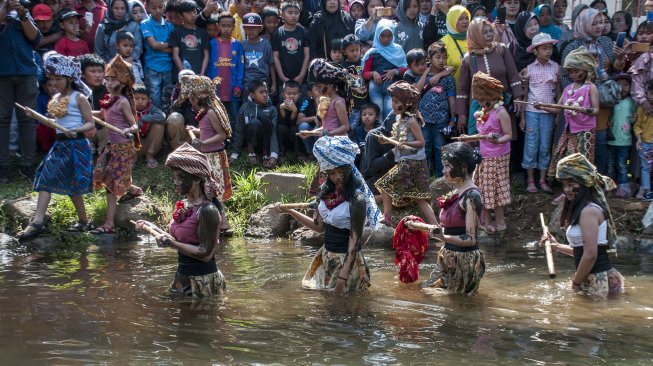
column 247, row 199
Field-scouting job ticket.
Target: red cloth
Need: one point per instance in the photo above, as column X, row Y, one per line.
column 68, row 47
column 410, row 246
column 45, row 137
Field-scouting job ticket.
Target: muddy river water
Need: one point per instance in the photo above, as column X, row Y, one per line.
column 109, row 306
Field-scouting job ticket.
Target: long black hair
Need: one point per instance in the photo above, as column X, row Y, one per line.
column 571, row 210
column 351, row 185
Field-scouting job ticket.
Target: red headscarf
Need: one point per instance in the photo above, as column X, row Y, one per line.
column 410, row 246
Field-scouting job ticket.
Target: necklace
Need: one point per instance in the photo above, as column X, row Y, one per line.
column 108, row 101
column 58, row 107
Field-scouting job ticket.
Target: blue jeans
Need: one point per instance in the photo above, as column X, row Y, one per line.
column 618, row 160
column 309, row 141
column 537, row 140
column 433, row 142
column 646, row 155
column 601, row 151
column 155, row 82
column 232, row 111
column 379, row 96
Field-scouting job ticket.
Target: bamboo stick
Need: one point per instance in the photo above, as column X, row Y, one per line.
column 468, row 138
column 559, row 106
column 547, row 249
column 297, row 206
column 394, row 142
column 45, row 120
column 414, row 225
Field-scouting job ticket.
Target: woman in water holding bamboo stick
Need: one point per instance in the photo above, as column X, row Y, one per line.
column 460, row 264
column 345, row 206
column 590, row 227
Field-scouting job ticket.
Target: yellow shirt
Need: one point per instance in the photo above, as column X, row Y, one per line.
column 454, row 57
column 238, row 32
column 643, row 126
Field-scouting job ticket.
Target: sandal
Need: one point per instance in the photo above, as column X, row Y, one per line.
column 531, row 187
column 129, row 195
column 152, row 164
column 252, row 159
column 271, row 163
column 545, row 188
column 103, row 230
column 80, row 227
column 36, row 230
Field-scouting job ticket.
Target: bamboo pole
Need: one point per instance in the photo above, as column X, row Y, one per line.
column 547, row 249
column 45, row 120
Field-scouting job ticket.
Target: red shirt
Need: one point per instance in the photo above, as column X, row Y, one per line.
column 68, row 47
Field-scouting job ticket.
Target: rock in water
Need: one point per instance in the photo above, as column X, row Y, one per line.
column 647, row 220
column 276, row 185
column 7, row 241
column 137, row 208
column 21, row 209
column 305, row 236
column 378, row 238
column 266, row 223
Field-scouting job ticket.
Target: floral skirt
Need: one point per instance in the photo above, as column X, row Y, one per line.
column 571, row 143
column 212, row 284
column 493, row 180
column 220, row 165
column 113, row 169
column 456, row 272
column 66, row 169
column 325, row 268
column 408, row 180
column 603, row 283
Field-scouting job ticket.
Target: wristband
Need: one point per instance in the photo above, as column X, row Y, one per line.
column 166, row 241
column 396, row 71
column 575, row 284
column 342, row 278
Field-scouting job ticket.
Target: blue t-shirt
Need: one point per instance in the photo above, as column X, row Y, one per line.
column 156, row 60
column 434, row 105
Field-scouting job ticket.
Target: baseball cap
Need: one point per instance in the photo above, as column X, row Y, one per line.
column 41, row 12
column 252, row 20
column 65, row 14
column 349, row 40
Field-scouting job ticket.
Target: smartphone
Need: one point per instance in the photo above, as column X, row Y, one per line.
column 621, row 38
column 385, row 12
column 501, row 15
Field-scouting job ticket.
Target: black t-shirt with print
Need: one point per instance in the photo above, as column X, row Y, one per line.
column 290, row 45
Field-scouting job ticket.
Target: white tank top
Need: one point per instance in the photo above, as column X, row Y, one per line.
column 575, row 235
column 338, row 216
column 73, row 117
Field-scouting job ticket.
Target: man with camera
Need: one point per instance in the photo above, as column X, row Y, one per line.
column 18, row 82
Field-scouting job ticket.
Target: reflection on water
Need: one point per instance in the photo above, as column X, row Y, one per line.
column 110, row 306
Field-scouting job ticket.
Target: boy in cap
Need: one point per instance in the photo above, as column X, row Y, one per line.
column 44, row 19
column 258, row 53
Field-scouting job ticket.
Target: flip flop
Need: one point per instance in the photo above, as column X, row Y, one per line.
column 37, row 229
column 103, row 230
column 80, row 227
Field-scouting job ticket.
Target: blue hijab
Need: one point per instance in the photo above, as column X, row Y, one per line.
column 392, row 52
column 550, row 29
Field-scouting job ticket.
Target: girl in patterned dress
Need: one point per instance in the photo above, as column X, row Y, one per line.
column 409, row 179
column 492, row 176
column 113, row 170
column 67, row 168
column 214, row 129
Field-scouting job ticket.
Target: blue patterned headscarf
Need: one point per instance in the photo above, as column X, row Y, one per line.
column 335, row 151
column 392, row 52
column 60, row 65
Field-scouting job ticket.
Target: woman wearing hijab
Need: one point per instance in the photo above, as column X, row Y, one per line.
column 366, row 25
column 408, row 31
column 587, row 33
column 344, row 206
column 195, row 226
column 544, row 14
column 590, row 227
column 458, row 19
column 526, row 27
column 118, row 19
column 489, row 57
column 328, row 24
column 567, row 32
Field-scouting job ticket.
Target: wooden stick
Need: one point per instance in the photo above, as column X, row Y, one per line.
column 44, row 120
column 394, row 142
column 559, row 106
column 314, row 132
column 415, row 225
column 147, row 228
column 298, row 206
column 113, row 128
column 191, row 134
column 547, row 249
column 467, row 138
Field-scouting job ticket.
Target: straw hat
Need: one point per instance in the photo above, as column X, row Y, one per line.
column 540, row 39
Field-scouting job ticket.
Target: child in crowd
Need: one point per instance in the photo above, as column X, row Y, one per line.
column 271, row 20
column 416, row 60
column 45, row 135
column 256, row 128
column 137, row 11
column 492, row 175
column 623, row 116
column 190, row 44
column 226, row 66
column 258, row 54
column 369, row 120
column 156, row 31
column 125, row 47
column 408, row 32
column 425, row 7
column 172, row 14
column 307, row 118
column 437, row 105
column 288, row 111
column 543, row 75
column 351, row 50
column 242, row 7
column 383, row 64
column 356, row 9
column 392, row 4
column 67, row 167
column 578, row 136
column 113, row 169
column 408, row 180
column 93, row 76
column 290, row 46
column 50, row 29
column 643, row 130
column 213, row 29
column 152, row 125
column 335, row 55
column 214, row 129
column 70, row 44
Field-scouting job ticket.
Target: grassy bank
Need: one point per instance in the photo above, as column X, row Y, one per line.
column 157, row 184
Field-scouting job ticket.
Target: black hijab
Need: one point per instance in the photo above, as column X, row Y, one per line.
column 328, row 26
column 522, row 57
column 111, row 24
